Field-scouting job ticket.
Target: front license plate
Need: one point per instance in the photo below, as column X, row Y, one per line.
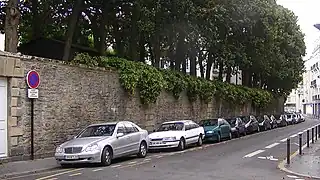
column 71, row 157
column 157, row 143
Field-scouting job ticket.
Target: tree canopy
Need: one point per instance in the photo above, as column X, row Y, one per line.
column 257, row 37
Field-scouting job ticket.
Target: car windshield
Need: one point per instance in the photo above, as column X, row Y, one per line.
column 98, row 130
column 178, row 126
column 232, row 121
column 208, row 122
column 245, row 119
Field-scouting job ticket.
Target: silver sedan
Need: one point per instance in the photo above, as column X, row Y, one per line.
column 100, row 143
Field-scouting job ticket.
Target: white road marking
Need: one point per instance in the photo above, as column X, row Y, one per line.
column 262, row 157
column 272, row 145
column 147, row 159
column 76, row 174
column 291, row 176
column 283, row 140
column 296, row 144
column 115, row 166
column 299, row 179
column 295, row 135
column 254, row 153
column 133, row 162
column 159, row 157
column 95, row 170
column 52, row 179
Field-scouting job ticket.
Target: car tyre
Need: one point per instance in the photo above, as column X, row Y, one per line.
column 219, row 138
column 200, row 141
column 106, row 157
column 230, row 136
column 143, row 149
column 182, row 144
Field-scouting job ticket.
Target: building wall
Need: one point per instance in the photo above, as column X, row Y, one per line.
column 71, row 98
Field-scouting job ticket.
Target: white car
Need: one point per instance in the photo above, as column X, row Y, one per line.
column 176, row 134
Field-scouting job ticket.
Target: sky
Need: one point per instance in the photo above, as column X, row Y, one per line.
column 306, row 10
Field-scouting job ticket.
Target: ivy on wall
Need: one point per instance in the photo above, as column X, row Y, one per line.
column 150, row 81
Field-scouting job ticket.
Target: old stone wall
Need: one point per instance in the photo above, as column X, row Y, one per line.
column 72, row 97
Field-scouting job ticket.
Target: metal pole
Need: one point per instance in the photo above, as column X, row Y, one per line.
column 300, row 143
column 32, row 129
column 312, row 135
column 308, row 138
column 316, row 128
column 319, row 130
column 288, row 150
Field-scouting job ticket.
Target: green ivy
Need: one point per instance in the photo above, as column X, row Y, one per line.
column 150, row 81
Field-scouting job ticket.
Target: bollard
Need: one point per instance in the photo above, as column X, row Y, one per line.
column 316, row 133
column 308, row 138
column 288, row 150
column 300, row 143
column 312, row 135
column 319, row 130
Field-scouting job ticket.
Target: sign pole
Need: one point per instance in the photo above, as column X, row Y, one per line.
column 32, row 129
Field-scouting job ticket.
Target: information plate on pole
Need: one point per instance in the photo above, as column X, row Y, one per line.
column 33, row 93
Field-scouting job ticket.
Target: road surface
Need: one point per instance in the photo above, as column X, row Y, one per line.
column 251, row 157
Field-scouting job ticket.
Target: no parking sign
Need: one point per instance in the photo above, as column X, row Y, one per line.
column 33, row 81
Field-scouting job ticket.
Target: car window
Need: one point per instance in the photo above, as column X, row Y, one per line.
column 177, row 126
column 98, row 130
column 121, row 129
column 130, row 128
column 209, row 122
column 188, row 126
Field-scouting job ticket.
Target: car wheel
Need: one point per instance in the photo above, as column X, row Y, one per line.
column 106, row 157
column 230, row 136
column 182, row 144
column 219, row 138
column 258, row 128
column 143, row 150
column 199, row 143
column 238, row 134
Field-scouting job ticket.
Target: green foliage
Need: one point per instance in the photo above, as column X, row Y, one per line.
column 150, row 81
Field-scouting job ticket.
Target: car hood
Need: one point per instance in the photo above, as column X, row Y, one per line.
column 83, row 141
column 210, row 128
column 162, row 134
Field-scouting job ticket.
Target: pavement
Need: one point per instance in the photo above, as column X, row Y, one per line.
column 306, row 165
column 252, row 157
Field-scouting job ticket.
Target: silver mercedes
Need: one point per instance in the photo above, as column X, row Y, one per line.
column 101, row 143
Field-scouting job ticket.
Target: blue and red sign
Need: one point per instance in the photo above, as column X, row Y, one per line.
column 33, row 79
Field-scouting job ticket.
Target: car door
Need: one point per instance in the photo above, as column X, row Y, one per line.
column 223, row 129
column 121, row 146
column 241, row 125
column 227, row 127
column 195, row 131
column 133, row 137
column 254, row 123
column 189, row 134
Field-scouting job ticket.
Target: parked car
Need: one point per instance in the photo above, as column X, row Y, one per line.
column 251, row 123
column 289, row 118
column 264, row 122
column 273, row 121
column 295, row 118
column 101, row 143
column 281, row 120
column 176, row 134
column 216, row 129
column 301, row 117
column 237, row 127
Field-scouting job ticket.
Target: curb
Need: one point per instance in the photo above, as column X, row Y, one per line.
column 282, row 165
column 14, row 174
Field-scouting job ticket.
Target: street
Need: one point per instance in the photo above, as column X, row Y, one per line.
column 254, row 156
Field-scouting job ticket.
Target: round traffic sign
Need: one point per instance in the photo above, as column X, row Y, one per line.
column 33, row 79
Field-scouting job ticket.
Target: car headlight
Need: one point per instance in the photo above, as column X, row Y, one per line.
column 59, row 149
column 209, row 132
column 92, row 147
column 169, row 139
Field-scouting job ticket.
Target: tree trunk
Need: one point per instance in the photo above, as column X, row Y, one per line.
column 134, row 33
column 193, row 61
column 11, row 26
column 142, row 49
column 180, row 53
column 229, row 71
column 73, row 21
column 220, row 77
column 209, row 64
column 171, row 50
column 36, row 25
column 103, row 32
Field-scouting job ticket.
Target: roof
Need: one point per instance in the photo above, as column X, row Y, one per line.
column 108, row 123
column 177, row 121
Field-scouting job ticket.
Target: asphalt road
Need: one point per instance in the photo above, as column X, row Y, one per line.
column 251, row 157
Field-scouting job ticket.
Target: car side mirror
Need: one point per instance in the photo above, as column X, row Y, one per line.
column 120, row 135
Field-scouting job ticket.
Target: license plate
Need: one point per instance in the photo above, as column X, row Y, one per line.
column 157, row 143
column 71, row 157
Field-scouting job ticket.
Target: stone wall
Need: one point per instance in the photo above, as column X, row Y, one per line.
column 72, row 97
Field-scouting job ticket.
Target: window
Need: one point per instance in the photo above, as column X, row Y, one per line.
column 121, row 129
column 130, row 128
column 178, row 126
column 188, row 127
column 98, row 130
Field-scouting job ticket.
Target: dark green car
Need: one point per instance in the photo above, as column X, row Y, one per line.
column 216, row 129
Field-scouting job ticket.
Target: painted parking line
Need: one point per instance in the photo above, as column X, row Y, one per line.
column 272, row 145
column 95, row 170
column 58, row 174
column 53, row 179
column 76, row 174
column 293, row 136
column 115, row 166
column 133, row 162
column 291, row 176
column 283, row 140
column 254, row 153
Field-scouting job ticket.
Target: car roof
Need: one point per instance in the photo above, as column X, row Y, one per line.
column 110, row 123
column 178, row 121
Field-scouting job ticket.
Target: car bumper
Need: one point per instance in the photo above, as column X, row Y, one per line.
column 211, row 137
column 94, row 157
column 164, row 145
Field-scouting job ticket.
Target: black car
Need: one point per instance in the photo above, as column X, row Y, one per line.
column 273, row 121
column 281, row 120
column 251, row 123
column 237, row 126
column 264, row 122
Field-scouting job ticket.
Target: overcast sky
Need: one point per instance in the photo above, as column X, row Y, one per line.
column 307, row 12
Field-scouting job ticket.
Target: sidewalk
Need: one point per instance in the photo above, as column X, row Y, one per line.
column 27, row 167
column 307, row 164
